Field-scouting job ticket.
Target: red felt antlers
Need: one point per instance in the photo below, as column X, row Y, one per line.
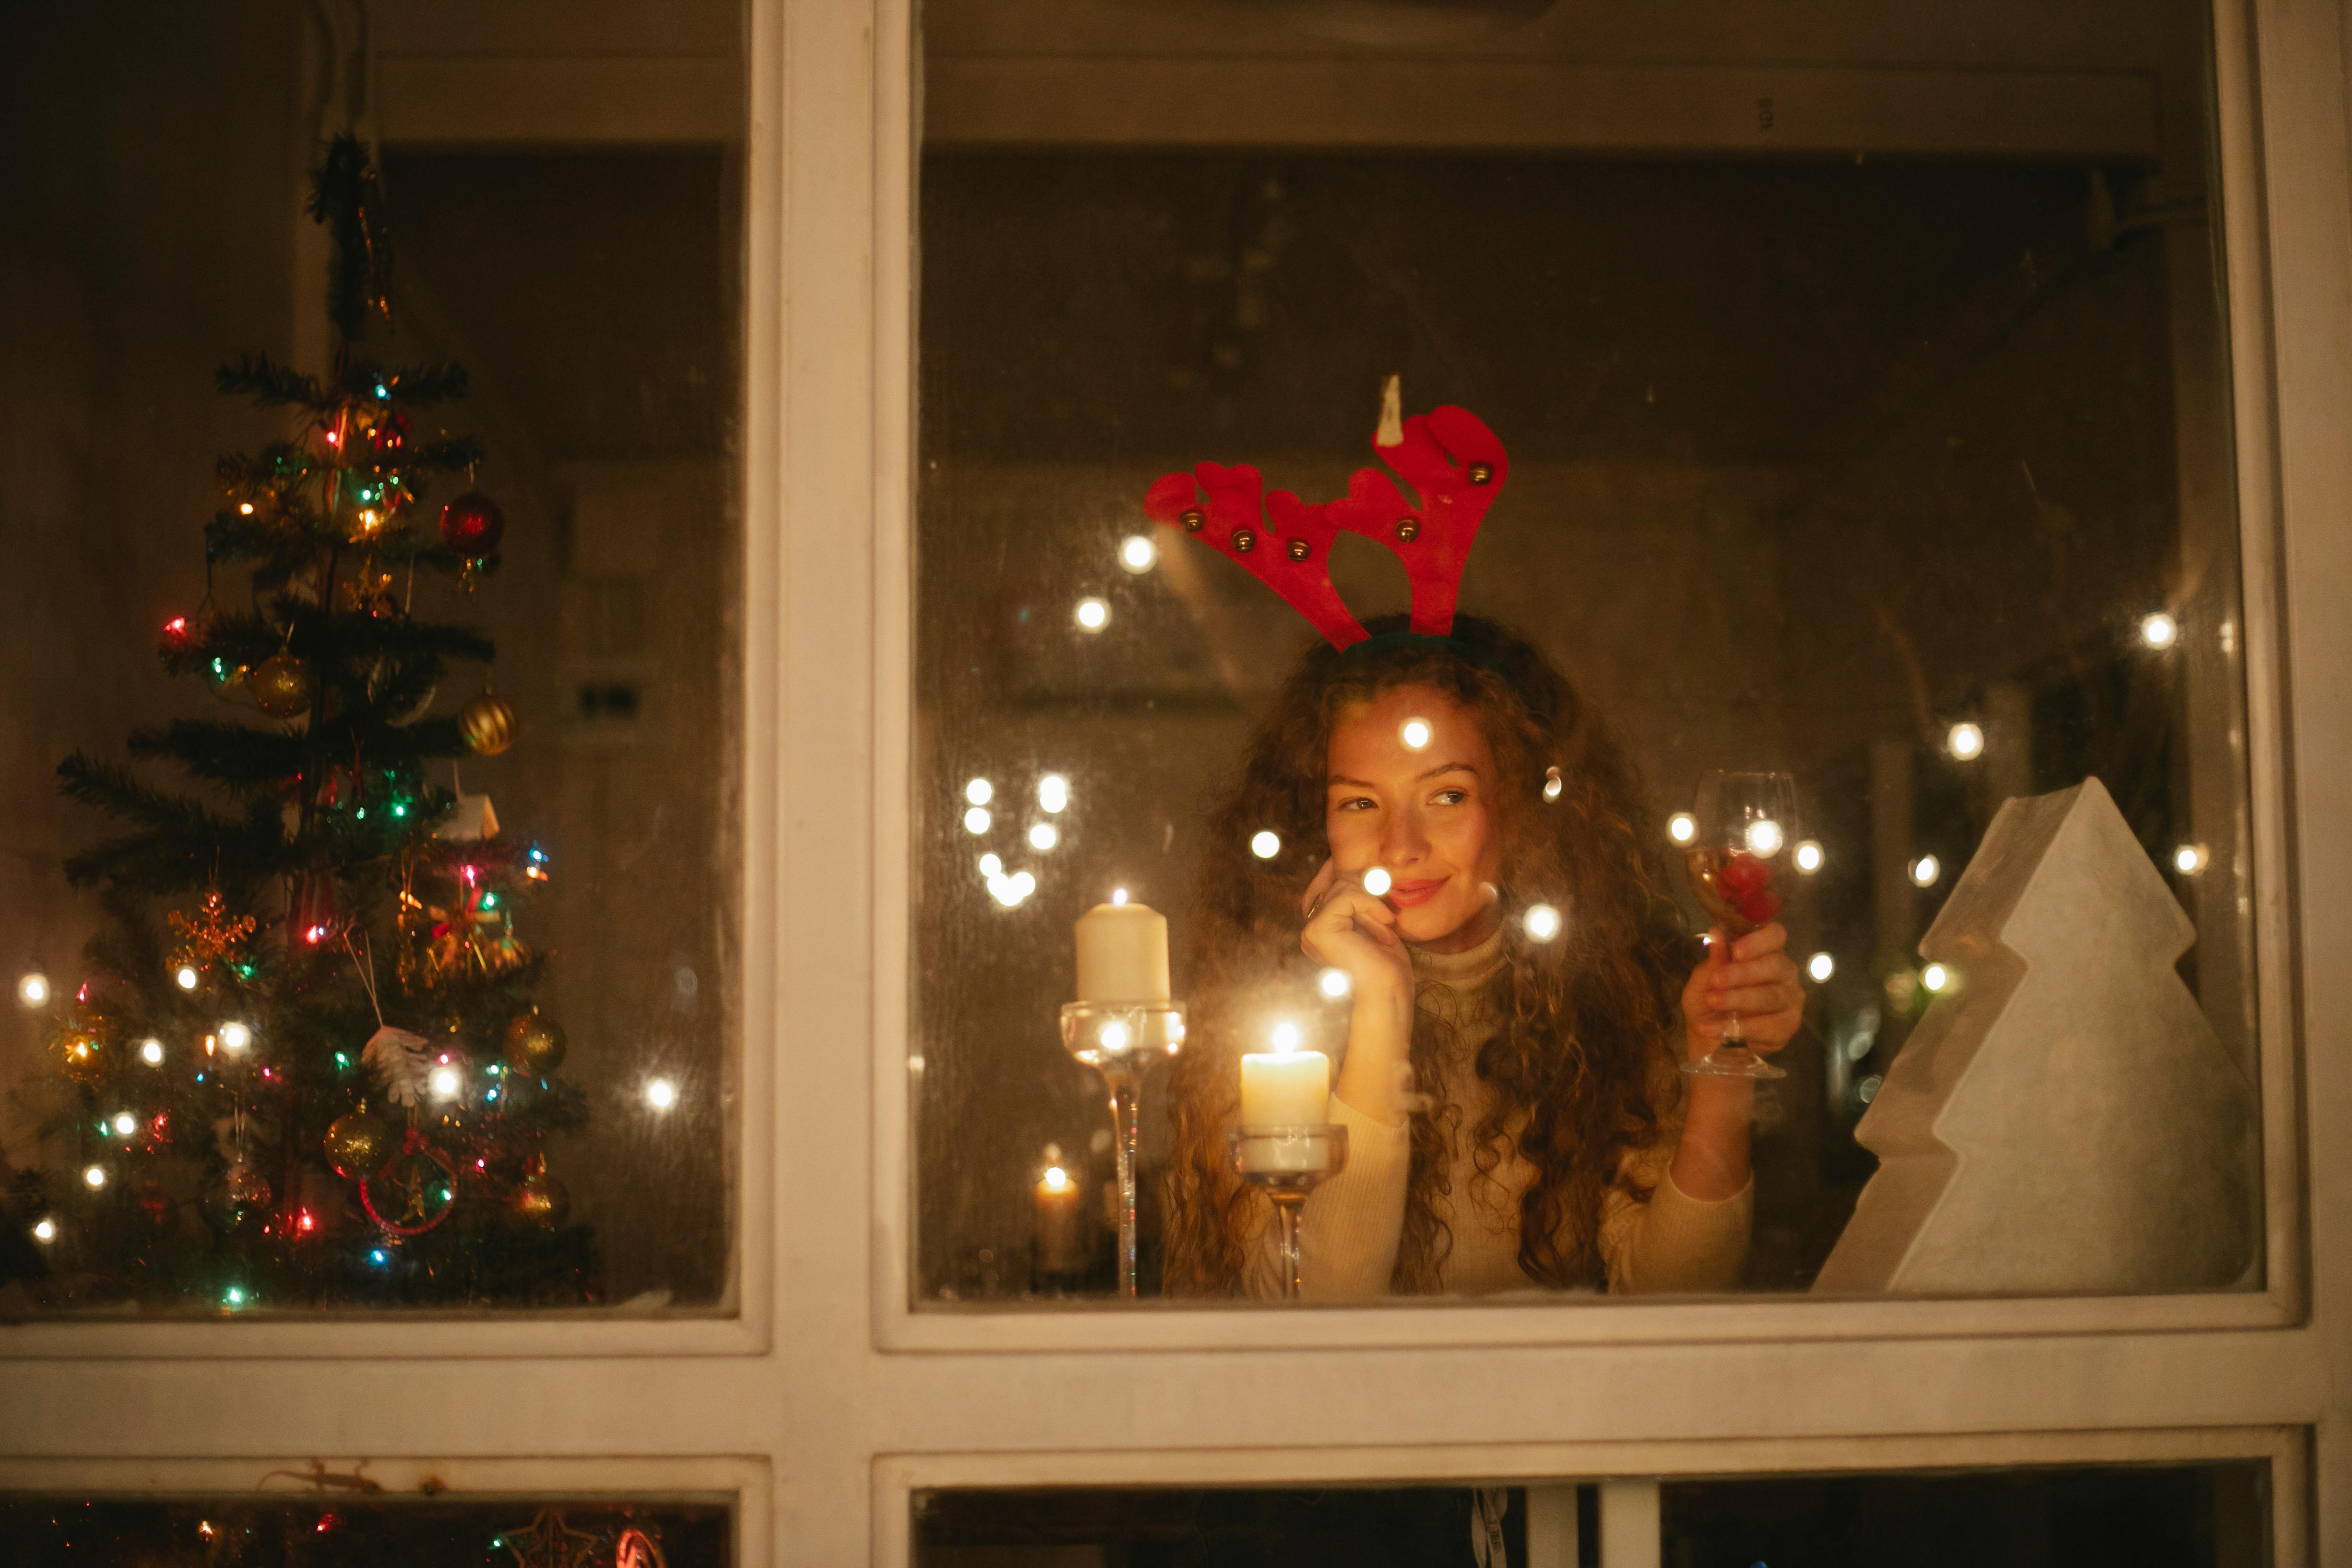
column 1455, row 466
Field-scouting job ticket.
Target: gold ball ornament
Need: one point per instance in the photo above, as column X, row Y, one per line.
column 82, row 1055
column 539, row 1198
column 238, row 1202
column 359, row 1145
column 282, row 686
column 488, row 723
column 534, row 1044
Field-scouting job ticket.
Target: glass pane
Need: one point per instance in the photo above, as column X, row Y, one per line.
column 1892, row 455
column 2171, row 1515
column 342, row 1532
column 383, row 954
column 2207, row 1516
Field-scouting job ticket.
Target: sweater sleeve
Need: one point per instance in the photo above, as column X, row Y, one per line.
column 1670, row 1241
column 1348, row 1229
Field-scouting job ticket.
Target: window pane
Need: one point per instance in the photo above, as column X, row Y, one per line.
column 402, row 974
column 333, row 1531
column 2205, row 1516
column 2169, row 1515
column 1899, row 465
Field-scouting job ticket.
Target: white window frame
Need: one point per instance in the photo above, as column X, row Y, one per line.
column 823, row 1387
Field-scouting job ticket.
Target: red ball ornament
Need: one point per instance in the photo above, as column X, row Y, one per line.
column 472, row 525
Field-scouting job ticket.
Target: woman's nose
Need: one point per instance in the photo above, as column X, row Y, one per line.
column 1403, row 842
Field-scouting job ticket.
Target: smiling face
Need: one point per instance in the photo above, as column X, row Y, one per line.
column 1412, row 791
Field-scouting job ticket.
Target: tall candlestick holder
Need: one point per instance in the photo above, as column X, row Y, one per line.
column 1286, row 1163
column 1121, row 1042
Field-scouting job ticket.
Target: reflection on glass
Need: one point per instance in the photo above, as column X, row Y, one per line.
column 1907, row 476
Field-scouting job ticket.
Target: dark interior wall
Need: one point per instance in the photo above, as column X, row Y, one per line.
column 149, row 183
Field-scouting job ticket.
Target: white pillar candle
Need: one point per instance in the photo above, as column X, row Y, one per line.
column 1285, row 1087
column 1123, row 955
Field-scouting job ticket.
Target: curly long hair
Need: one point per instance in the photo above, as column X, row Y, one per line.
column 1585, row 1020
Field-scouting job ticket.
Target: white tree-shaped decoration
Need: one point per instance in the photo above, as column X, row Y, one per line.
column 2066, row 1121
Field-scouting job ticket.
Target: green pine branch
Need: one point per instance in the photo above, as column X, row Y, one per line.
column 182, row 843
column 414, row 386
column 270, row 385
column 446, row 455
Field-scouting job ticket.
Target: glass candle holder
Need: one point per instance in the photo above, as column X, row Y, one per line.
column 1121, row 1042
column 1286, row 1163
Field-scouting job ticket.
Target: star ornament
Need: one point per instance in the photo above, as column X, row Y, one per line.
column 549, row 1542
column 211, row 935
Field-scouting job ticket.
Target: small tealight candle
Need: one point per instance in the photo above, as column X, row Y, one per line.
column 1123, row 955
column 1059, row 1248
column 1285, row 1087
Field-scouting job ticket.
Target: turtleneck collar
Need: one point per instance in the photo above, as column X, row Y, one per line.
column 1466, row 971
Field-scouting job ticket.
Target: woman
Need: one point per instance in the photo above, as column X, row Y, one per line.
column 1514, row 1113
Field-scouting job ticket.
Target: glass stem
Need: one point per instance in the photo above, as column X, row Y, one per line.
column 1123, row 1137
column 1285, row 1207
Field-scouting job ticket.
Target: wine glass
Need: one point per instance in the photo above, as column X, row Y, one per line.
column 1742, row 825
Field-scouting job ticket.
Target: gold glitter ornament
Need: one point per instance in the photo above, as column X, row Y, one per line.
column 534, row 1044
column 488, row 723
column 359, row 1145
column 282, row 686
column 238, row 1202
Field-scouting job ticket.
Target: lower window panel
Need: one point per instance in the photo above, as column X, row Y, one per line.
column 2118, row 1516
column 332, row 1532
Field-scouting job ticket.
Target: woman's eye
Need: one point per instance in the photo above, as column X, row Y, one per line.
column 1355, row 803
column 1451, row 796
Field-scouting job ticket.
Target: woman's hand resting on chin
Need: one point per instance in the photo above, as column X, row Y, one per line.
column 1350, row 930
column 1751, row 977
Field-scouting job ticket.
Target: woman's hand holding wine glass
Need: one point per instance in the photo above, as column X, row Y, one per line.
column 1744, row 1002
column 1747, row 982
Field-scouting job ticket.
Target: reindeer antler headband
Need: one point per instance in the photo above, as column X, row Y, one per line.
column 1456, row 467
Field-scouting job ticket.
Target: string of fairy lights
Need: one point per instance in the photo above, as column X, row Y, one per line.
column 1967, row 741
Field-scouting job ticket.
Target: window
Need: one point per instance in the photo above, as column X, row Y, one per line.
column 1893, row 455
column 829, row 1386
column 507, row 852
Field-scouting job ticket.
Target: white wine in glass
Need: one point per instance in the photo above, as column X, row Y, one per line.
column 1744, row 825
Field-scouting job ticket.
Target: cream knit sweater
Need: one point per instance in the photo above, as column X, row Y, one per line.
column 1351, row 1225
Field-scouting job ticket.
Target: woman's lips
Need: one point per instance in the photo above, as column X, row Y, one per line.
column 1408, row 895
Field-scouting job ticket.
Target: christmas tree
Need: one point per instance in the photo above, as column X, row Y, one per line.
column 318, row 1078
